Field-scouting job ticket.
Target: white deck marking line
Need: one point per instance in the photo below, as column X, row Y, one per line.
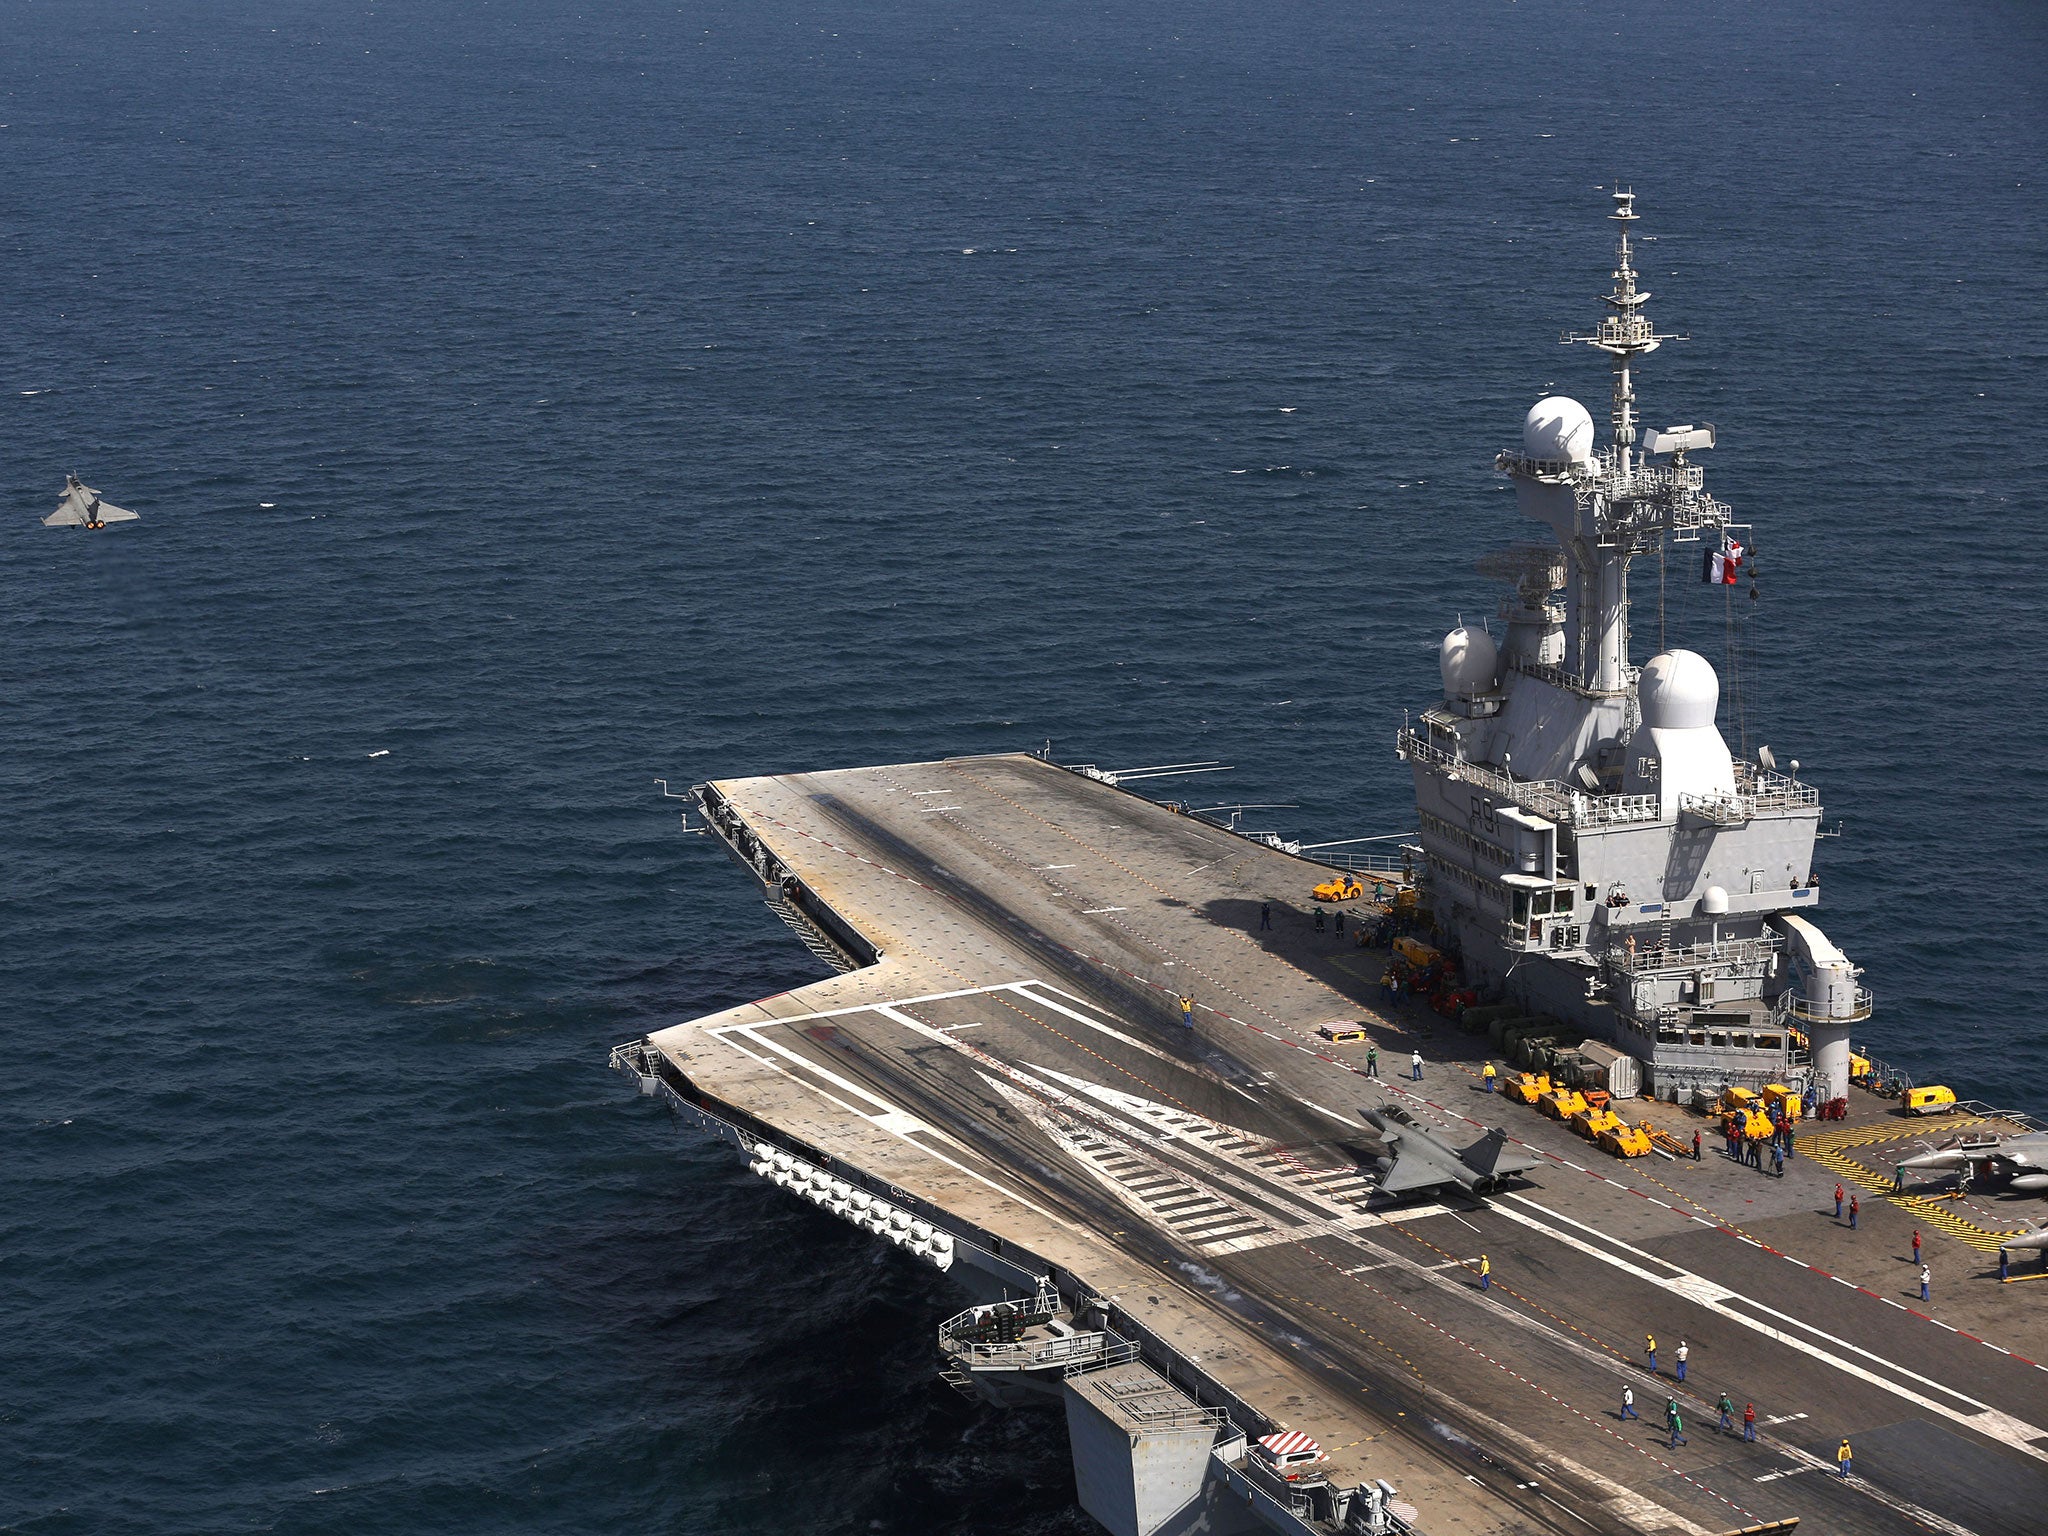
column 1098, row 911
column 933, row 810
column 949, row 1028
column 1344, row 1120
column 840, row 1013
column 1689, row 1280
column 1714, row 1297
column 1619, row 1370
column 1034, row 991
column 889, row 1123
column 931, row 792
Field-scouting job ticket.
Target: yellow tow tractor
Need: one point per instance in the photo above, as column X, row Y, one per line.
column 1562, row 1103
column 1528, row 1086
column 1590, row 1122
column 1655, row 1136
column 1625, row 1140
column 1343, row 888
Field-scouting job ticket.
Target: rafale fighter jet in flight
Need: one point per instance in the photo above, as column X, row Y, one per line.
column 1417, row 1158
column 82, row 508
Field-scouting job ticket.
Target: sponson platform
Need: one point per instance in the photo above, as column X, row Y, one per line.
column 1174, row 1230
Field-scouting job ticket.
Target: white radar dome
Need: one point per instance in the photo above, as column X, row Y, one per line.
column 1469, row 662
column 1679, row 691
column 1558, row 427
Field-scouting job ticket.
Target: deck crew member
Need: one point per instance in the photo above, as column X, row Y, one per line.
column 1628, row 1402
column 1926, row 1278
column 1838, row 1202
column 1485, row 1273
column 1372, row 1062
column 1845, row 1459
column 1187, row 1012
column 1415, row 1066
column 1265, row 914
column 1916, row 1245
column 1650, row 1349
column 1676, row 1424
column 1489, row 1077
column 1727, row 1406
column 1684, row 1351
column 1749, row 1421
column 1855, row 1206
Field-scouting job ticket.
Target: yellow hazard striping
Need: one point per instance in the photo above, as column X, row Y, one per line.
column 1931, row 1211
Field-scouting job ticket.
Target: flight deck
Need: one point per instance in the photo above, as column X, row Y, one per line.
column 1002, row 1080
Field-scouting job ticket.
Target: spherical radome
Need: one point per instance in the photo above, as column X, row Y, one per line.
column 1558, row 427
column 1679, row 691
column 1469, row 662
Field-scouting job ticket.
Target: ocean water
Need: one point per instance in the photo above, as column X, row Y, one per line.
column 526, row 401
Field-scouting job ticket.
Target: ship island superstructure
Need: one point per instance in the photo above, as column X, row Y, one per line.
column 1591, row 843
column 1267, row 1238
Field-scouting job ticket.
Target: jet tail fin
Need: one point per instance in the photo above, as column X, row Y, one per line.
column 1489, row 1158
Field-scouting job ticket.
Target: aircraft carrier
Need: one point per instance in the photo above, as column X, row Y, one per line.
column 1106, row 1065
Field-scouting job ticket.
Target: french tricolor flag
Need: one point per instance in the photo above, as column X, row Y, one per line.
column 1723, row 566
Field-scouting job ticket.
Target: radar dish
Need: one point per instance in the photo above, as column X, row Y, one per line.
column 1534, row 570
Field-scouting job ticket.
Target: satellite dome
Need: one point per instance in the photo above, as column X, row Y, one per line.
column 1558, row 427
column 1469, row 662
column 1714, row 902
column 1679, row 691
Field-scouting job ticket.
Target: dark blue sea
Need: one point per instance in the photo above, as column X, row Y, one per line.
column 525, row 401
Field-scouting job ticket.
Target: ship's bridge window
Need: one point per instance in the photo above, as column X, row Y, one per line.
column 1770, row 1043
column 1521, row 906
column 1539, row 904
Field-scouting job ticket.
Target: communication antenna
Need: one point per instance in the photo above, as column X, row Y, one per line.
column 1626, row 333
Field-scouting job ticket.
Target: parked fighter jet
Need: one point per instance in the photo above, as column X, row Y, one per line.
column 1417, row 1158
column 2020, row 1161
column 82, row 508
column 2036, row 1238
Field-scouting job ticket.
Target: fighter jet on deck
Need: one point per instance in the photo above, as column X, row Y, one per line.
column 82, row 508
column 2021, row 1161
column 1417, row 1158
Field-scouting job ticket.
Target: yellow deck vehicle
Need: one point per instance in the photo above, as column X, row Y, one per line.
column 1625, row 1140
column 1932, row 1100
column 1343, row 1032
column 1592, row 1123
column 1655, row 1136
column 1528, row 1086
column 1343, row 888
column 1737, row 1101
column 1782, row 1100
column 1417, row 953
column 1561, row 1103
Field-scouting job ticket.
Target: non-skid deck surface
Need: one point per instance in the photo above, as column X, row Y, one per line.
column 1018, row 1058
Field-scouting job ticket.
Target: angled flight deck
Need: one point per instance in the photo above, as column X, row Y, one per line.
column 1003, row 1066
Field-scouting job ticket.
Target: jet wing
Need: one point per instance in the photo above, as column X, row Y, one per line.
column 1489, row 1158
column 1416, row 1166
column 82, row 505
column 70, row 512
